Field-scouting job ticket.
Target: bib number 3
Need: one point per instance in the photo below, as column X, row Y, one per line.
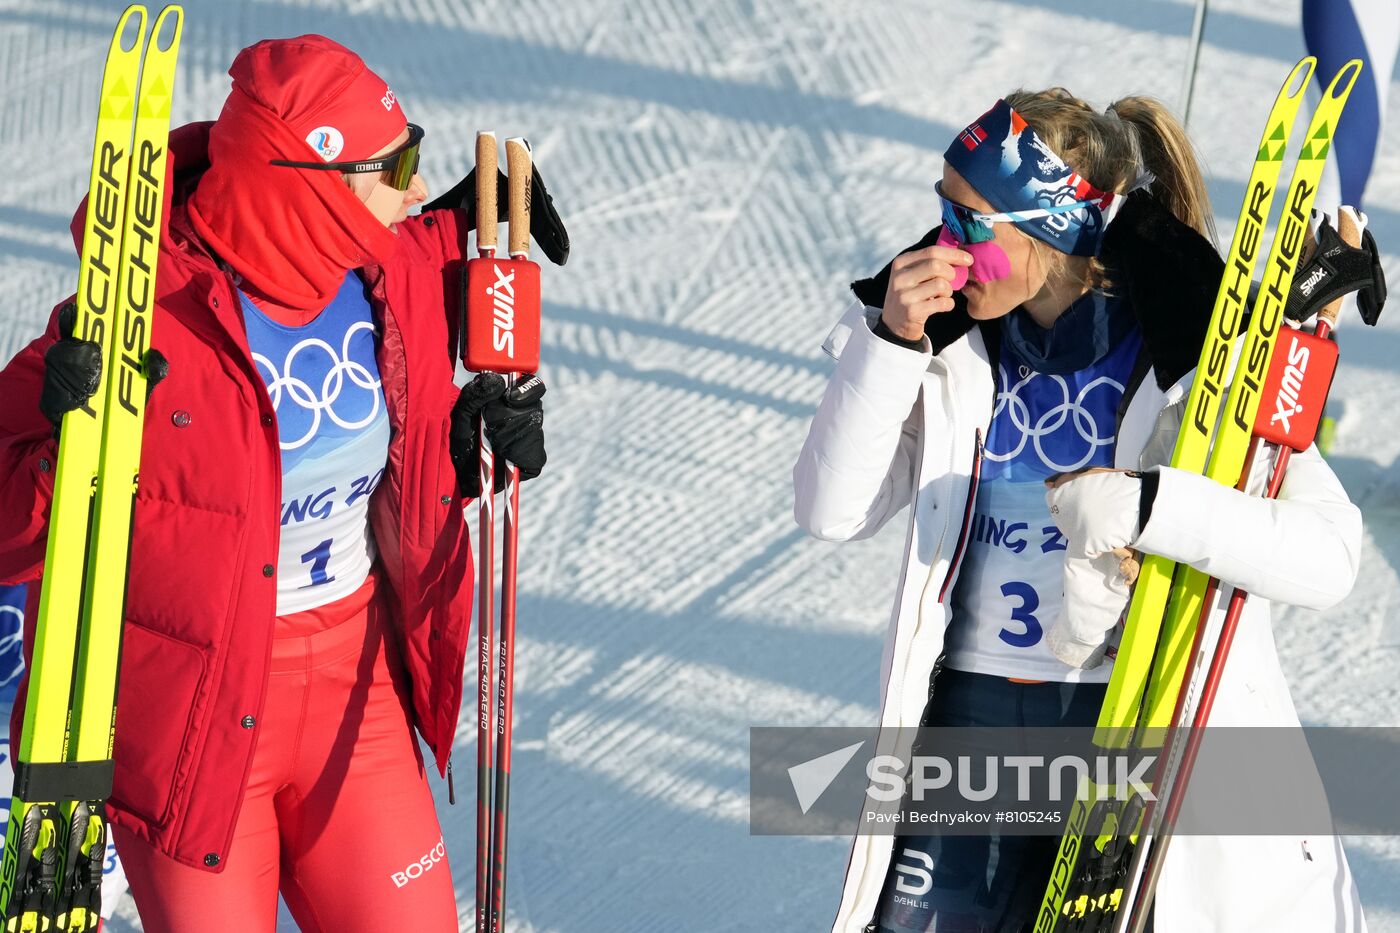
column 1023, row 614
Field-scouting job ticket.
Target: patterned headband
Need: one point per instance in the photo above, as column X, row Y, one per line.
column 1012, row 167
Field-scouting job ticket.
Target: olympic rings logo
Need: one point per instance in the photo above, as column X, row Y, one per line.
column 304, row 396
column 10, row 643
column 1053, row 427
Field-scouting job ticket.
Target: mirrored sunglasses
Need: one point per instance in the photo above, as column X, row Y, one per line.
column 396, row 169
column 971, row 226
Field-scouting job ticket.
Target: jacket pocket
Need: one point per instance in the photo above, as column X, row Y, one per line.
column 433, row 478
column 160, row 679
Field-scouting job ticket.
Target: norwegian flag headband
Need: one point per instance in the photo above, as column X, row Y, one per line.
column 1012, row 167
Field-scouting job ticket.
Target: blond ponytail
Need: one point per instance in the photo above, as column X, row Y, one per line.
column 1167, row 152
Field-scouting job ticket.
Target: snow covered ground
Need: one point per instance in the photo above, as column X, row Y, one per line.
column 725, row 167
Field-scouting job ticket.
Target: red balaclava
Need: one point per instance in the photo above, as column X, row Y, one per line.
column 293, row 233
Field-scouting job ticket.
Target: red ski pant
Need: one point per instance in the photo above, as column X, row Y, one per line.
column 337, row 815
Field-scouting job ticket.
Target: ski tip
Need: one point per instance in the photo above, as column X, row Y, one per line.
column 1300, row 77
column 485, row 134
column 124, row 36
column 165, row 34
column 519, row 141
column 1346, row 77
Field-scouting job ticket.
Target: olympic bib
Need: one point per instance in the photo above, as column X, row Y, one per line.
column 333, row 431
column 1010, row 590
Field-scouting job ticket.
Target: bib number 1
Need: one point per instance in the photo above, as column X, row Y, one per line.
column 319, row 558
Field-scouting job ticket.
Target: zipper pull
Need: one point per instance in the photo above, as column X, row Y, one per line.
column 451, row 790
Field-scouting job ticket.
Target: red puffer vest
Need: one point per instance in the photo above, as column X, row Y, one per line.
column 201, row 596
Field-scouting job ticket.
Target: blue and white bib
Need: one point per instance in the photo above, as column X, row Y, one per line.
column 1011, row 587
column 333, row 429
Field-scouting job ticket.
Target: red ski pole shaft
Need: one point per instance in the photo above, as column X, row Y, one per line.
column 1147, row 886
column 1145, row 852
column 1233, row 612
column 486, row 562
column 519, row 169
column 1175, row 792
column 505, row 697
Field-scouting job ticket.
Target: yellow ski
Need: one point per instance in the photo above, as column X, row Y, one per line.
column 1072, row 893
column 56, row 838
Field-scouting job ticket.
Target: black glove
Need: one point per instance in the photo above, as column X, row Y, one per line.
column 514, row 425
column 157, row 367
column 1335, row 269
column 545, row 226
column 73, row 368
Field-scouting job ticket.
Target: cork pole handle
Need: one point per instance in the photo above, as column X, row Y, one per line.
column 486, row 208
column 520, row 170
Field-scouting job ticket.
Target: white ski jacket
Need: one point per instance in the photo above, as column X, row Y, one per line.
column 898, row 428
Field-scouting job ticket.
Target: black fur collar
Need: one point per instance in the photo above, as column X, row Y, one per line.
column 1169, row 272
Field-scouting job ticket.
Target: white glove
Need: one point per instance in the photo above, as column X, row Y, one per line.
column 1097, row 511
column 1096, row 593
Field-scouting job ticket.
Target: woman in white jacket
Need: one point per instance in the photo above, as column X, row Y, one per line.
column 1052, row 324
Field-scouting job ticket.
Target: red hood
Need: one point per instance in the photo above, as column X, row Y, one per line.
column 290, row 233
column 189, row 154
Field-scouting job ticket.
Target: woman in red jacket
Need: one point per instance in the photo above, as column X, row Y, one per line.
column 301, row 575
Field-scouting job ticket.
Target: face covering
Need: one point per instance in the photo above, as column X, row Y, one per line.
column 989, row 262
column 293, row 233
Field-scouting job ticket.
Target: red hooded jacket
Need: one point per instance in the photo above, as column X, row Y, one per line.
column 202, row 589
